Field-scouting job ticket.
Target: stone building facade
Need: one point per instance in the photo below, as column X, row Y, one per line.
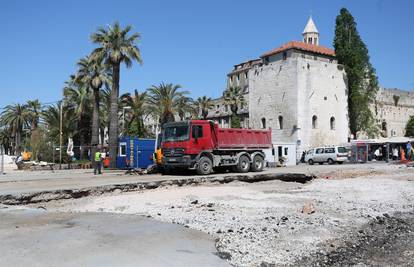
column 299, row 90
column 392, row 110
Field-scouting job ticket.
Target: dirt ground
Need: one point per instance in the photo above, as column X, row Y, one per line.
column 263, row 224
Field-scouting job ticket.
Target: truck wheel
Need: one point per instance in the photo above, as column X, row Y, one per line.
column 257, row 164
column 244, row 164
column 310, row 162
column 205, row 166
column 330, row 161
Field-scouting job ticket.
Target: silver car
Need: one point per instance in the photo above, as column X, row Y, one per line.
column 331, row 155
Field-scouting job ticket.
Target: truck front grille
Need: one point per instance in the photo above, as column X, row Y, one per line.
column 173, row 152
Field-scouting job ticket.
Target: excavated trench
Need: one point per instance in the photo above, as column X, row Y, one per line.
column 45, row 196
column 386, row 240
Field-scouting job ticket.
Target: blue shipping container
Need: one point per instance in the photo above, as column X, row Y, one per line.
column 134, row 152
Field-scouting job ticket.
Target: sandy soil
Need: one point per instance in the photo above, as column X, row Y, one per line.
column 262, row 223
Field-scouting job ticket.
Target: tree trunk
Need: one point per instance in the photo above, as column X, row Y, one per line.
column 17, row 149
column 102, row 135
column 114, row 122
column 95, row 123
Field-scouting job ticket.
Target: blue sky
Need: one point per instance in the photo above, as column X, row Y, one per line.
column 192, row 43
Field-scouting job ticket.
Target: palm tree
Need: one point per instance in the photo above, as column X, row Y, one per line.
column 203, row 105
column 34, row 110
column 93, row 73
column 15, row 117
column 164, row 101
column 233, row 96
column 116, row 47
column 51, row 118
column 5, row 139
column 79, row 98
column 138, row 111
column 33, row 113
column 185, row 107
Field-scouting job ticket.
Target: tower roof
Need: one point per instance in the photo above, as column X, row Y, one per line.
column 310, row 27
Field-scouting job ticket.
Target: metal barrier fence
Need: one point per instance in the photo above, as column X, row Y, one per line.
column 1, row 160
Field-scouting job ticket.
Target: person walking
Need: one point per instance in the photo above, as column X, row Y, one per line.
column 98, row 162
column 395, row 153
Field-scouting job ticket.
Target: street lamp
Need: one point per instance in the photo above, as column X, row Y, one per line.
column 123, row 117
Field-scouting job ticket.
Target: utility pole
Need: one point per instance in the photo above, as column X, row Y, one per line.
column 61, row 135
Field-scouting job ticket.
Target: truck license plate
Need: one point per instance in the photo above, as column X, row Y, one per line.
column 172, row 159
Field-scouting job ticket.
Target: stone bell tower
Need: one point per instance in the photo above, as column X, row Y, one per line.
column 310, row 33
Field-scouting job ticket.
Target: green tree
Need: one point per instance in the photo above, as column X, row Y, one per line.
column 93, row 73
column 164, row 101
column 79, row 98
column 185, row 107
column 34, row 109
column 5, row 139
column 116, row 46
column 234, row 97
column 203, row 105
column 51, row 118
column 409, row 128
column 15, row 117
column 135, row 122
column 362, row 80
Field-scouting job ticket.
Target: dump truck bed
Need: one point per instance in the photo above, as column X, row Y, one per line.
column 243, row 139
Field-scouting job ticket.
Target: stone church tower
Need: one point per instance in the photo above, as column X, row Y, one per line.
column 298, row 89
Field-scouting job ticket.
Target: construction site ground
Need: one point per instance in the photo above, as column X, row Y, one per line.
column 328, row 215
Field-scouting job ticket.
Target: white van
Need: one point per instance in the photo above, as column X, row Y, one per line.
column 331, row 155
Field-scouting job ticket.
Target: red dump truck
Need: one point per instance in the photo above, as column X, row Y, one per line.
column 201, row 145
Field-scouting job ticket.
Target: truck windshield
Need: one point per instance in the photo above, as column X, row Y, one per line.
column 176, row 133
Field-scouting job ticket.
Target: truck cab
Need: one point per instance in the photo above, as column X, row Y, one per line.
column 183, row 141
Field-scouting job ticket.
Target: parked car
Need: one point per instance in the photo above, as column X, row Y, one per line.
column 331, row 155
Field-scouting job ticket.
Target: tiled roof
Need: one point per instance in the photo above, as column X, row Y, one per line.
column 301, row 46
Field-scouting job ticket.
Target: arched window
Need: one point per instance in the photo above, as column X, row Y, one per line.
column 332, row 122
column 280, row 122
column 314, row 122
column 263, row 123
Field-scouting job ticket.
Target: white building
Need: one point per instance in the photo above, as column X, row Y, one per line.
column 298, row 89
column 392, row 110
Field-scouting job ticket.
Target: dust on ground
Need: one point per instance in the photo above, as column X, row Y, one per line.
column 262, row 223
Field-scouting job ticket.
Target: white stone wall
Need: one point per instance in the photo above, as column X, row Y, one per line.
column 296, row 89
column 322, row 93
column 273, row 93
column 395, row 115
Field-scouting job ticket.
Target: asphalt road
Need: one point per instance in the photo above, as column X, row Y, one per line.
column 39, row 238
column 21, row 182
